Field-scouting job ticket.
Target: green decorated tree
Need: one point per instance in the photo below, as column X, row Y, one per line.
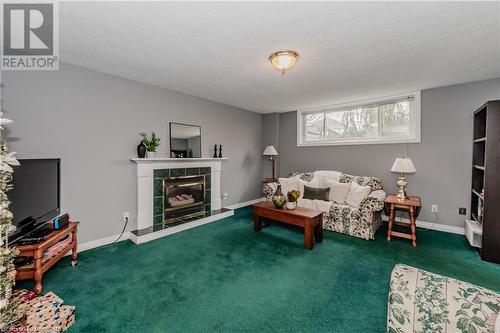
column 8, row 306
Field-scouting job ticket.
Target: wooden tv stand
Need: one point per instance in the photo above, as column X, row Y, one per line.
column 41, row 265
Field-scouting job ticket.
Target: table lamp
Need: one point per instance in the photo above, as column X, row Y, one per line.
column 271, row 152
column 402, row 165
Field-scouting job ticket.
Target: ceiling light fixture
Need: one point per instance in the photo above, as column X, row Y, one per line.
column 283, row 61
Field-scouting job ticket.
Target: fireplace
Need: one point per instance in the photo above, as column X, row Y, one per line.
column 183, row 197
column 157, row 178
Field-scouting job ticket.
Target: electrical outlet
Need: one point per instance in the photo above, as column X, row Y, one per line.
column 434, row 208
column 462, row 211
column 126, row 216
column 225, row 196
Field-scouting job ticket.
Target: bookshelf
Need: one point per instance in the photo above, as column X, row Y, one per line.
column 485, row 185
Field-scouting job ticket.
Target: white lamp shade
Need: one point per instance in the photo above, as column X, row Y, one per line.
column 403, row 165
column 270, row 151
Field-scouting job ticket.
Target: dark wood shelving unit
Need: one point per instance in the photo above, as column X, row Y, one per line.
column 486, row 178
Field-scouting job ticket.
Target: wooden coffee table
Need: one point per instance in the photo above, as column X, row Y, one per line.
column 309, row 219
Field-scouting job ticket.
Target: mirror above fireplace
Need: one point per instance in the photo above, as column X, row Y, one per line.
column 185, row 141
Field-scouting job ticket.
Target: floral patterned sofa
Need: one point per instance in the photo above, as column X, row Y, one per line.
column 420, row 301
column 362, row 221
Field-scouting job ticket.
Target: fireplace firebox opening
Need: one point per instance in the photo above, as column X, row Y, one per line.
column 184, row 197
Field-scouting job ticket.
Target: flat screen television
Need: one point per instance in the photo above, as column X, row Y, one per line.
column 35, row 198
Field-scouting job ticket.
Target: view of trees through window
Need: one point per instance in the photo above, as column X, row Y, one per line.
column 386, row 120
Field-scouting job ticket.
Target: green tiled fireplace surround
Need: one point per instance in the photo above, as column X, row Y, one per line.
column 160, row 174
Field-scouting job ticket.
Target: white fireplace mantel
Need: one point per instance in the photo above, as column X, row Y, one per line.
column 145, row 182
column 174, row 160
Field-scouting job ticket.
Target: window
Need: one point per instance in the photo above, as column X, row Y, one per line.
column 387, row 120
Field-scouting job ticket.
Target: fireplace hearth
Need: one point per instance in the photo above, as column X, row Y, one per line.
column 184, row 197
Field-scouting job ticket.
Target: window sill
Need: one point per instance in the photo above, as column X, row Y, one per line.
column 356, row 142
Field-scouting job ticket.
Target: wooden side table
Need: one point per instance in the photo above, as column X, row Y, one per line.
column 412, row 206
column 42, row 264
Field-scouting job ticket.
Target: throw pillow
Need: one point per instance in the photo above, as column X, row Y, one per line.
column 357, row 193
column 325, row 181
column 316, row 193
column 325, row 175
column 288, row 184
column 322, row 206
column 338, row 191
column 301, row 183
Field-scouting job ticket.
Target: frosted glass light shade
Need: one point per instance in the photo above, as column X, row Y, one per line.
column 270, row 151
column 283, row 61
column 403, row 165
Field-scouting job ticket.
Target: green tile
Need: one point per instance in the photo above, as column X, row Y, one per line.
column 177, row 172
column 207, row 197
column 161, row 173
column 204, row 171
column 192, row 171
column 158, row 206
column 158, row 219
column 158, row 187
column 208, row 182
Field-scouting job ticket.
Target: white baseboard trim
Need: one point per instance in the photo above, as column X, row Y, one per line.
column 431, row 225
column 246, row 203
column 101, row 242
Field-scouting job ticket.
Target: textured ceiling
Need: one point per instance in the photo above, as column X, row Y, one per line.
column 348, row 51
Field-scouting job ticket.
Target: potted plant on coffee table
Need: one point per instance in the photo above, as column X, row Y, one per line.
column 151, row 144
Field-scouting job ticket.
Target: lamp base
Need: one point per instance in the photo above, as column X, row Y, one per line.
column 402, row 184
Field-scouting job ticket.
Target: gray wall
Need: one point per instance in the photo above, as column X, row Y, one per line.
column 442, row 159
column 270, row 137
column 92, row 120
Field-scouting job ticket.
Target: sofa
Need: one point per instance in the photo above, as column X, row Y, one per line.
column 420, row 301
column 360, row 221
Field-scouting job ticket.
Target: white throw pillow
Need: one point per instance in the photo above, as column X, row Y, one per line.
column 357, row 193
column 338, row 191
column 322, row 206
column 325, row 181
column 288, row 184
column 305, row 203
column 325, row 175
column 313, row 183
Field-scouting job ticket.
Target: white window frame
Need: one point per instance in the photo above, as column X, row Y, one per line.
column 415, row 124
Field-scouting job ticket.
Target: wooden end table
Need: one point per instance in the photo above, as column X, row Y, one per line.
column 412, row 206
column 309, row 219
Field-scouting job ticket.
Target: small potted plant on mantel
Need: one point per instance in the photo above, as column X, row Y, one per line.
column 150, row 143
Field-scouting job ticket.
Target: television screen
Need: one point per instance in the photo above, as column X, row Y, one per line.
column 35, row 197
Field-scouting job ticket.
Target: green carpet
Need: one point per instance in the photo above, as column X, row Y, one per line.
column 225, row 277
